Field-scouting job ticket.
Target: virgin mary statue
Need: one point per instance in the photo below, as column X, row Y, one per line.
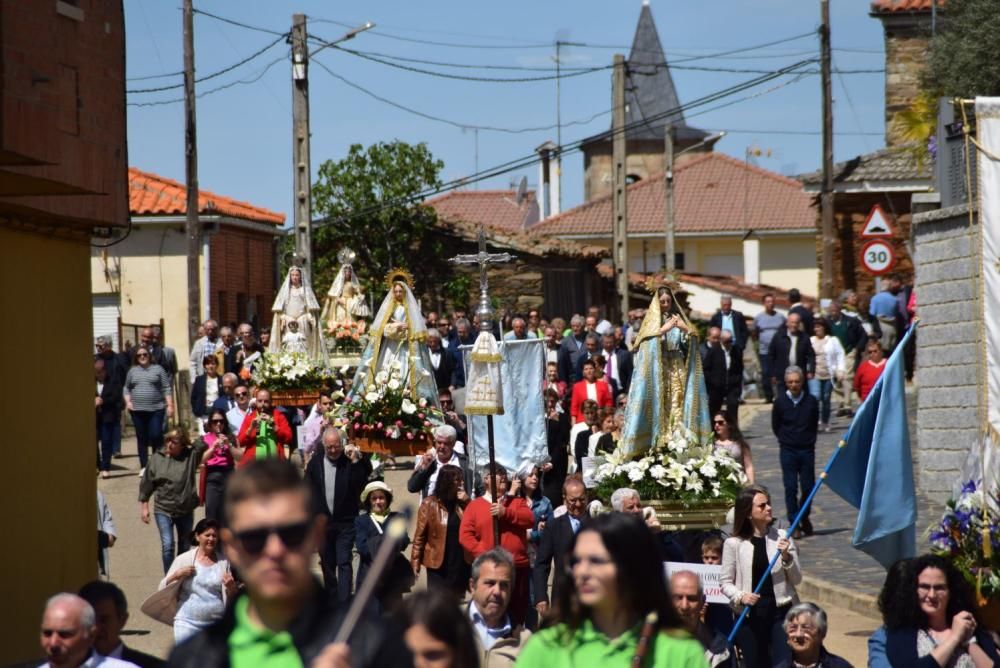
column 345, row 301
column 296, row 302
column 398, row 339
column 668, row 388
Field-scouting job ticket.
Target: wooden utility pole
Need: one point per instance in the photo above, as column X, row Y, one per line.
column 669, row 251
column 618, row 155
column 826, row 190
column 192, row 226
column 300, row 143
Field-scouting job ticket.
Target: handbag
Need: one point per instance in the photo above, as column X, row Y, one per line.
column 161, row 605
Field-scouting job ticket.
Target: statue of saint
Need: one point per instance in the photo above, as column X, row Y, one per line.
column 296, row 301
column 398, row 337
column 345, row 301
column 668, row 387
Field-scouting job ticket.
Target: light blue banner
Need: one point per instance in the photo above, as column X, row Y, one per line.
column 519, row 434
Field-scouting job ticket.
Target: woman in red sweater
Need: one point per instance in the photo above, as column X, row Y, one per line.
column 516, row 519
column 870, row 370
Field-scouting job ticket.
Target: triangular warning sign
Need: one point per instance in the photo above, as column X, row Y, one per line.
column 877, row 224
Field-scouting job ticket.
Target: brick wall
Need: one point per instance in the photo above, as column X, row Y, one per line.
column 947, row 355
column 241, row 272
column 907, row 41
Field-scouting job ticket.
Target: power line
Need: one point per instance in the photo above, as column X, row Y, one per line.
column 239, row 23
column 213, row 75
column 799, row 132
column 231, row 84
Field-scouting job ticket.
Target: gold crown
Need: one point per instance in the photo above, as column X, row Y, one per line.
column 668, row 280
column 400, row 275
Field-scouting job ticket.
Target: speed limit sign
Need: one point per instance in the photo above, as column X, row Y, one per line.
column 877, row 256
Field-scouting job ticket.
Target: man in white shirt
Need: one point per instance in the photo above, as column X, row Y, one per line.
column 490, row 587
column 111, row 611
column 236, row 415
column 206, row 345
column 67, row 635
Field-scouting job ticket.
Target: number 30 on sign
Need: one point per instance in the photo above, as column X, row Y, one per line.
column 877, row 256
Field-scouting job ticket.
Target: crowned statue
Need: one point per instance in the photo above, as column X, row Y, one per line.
column 668, row 388
column 397, row 339
column 297, row 303
column 345, row 305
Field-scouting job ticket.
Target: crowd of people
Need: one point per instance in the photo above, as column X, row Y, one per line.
column 562, row 585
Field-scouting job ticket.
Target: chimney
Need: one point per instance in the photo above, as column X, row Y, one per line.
column 907, row 29
column 548, row 188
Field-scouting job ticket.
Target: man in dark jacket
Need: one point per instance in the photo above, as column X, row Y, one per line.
column 799, row 307
column 852, row 337
column 442, row 363
column 794, row 419
column 556, row 541
column 425, row 470
column 791, row 347
column 723, row 369
column 283, row 618
column 111, row 614
column 732, row 321
column 336, row 481
column 108, row 402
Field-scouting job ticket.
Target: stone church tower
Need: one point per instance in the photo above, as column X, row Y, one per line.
column 649, row 93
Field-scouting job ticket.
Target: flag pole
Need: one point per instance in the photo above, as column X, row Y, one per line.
column 822, row 477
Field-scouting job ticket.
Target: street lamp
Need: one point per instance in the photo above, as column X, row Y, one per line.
column 350, row 34
column 669, row 155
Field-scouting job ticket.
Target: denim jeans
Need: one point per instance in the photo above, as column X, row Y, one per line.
column 167, row 524
column 148, row 432
column 797, row 472
column 110, row 436
column 822, row 390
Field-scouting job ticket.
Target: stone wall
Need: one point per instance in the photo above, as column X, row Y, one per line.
column 947, row 357
column 907, row 41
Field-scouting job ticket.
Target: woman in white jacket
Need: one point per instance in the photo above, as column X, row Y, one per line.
column 745, row 558
column 830, row 367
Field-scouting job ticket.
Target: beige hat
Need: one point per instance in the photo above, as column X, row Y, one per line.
column 376, row 485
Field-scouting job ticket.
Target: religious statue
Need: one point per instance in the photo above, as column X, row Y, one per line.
column 398, row 337
column 296, row 302
column 345, row 301
column 668, row 387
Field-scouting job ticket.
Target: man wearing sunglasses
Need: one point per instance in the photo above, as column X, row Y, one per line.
column 283, row 618
column 236, row 415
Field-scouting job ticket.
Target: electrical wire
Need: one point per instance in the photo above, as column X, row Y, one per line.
column 231, row 84
column 213, row 75
column 238, row 23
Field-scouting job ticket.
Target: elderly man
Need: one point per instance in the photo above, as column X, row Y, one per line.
column 206, row 345
column 111, row 614
column 591, row 349
column 152, row 338
column 551, row 338
column 315, row 423
column 518, row 330
column 571, row 349
column 236, row 414
column 490, row 588
column 712, row 338
column 731, row 321
column 282, row 618
column 68, row 632
column 794, row 421
column 723, row 366
column 442, row 363
column 425, row 471
column 462, row 336
column 227, row 386
column 336, row 480
column 791, row 347
column 263, row 413
column 618, row 364
column 805, row 628
column 626, row 500
column 557, row 539
column 689, row 601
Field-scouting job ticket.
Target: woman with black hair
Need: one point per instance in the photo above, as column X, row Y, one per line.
column 435, row 540
column 613, row 605
column 745, row 559
column 932, row 620
column 222, row 451
column 437, row 632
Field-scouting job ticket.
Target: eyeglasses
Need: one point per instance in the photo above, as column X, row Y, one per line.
column 138, row 355
column 241, row 395
column 447, row 402
column 718, row 422
column 291, row 535
column 217, row 421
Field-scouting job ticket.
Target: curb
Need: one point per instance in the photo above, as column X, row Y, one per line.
column 823, row 592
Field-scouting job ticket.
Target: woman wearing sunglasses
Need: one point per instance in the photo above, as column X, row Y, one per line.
column 206, row 582
column 148, row 398
column 613, row 607
column 222, row 451
column 730, row 441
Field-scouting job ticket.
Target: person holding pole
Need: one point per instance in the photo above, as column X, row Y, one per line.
column 745, row 558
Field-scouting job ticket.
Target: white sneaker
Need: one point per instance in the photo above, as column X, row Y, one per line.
column 142, row 472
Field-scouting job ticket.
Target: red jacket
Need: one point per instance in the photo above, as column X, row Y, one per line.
column 580, row 395
column 476, row 532
column 864, row 379
column 248, row 436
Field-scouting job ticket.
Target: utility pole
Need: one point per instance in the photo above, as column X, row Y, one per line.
column 192, row 227
column 618, row 156
column 300, row 143
column 826, row 190
column 669, row 251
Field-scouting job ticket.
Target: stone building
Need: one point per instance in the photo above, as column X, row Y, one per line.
column 649, row 93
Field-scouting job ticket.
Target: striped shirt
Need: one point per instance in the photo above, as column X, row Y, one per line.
column 147, row 387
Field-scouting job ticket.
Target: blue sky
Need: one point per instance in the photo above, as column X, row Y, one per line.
column 244, row 130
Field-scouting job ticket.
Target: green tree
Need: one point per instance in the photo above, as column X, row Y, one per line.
column 357, row 197
column 963, row 58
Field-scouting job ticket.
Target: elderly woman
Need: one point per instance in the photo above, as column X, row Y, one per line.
column 149, row 399
column 170, row 476
column 746, row 556
column 932, row 621
column 369, row 526
column 805, row 628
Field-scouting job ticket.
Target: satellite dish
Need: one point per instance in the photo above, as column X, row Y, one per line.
column 522, row 190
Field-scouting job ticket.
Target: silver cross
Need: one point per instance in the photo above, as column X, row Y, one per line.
column 483, row 259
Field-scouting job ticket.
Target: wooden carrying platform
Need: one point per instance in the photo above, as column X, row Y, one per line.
column 294, row 397
column 397, row 447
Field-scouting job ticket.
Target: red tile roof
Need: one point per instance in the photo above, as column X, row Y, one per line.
column 153, row 195
column 712, row 193
column 894, row 6
column 494, row 208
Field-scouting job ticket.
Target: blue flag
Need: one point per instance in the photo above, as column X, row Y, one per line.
column 874, row 470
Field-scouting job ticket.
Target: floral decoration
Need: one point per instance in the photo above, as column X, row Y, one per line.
column 960, row 537
column 347, row 336
column 387, row 411
column 290, row 371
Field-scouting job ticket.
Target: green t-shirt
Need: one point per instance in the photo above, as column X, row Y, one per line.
column 551, row 648
column 251, row 646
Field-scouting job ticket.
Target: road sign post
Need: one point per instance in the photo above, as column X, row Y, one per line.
column 878, row 256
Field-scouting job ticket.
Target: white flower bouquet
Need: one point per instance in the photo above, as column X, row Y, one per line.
column 291, row 371
column 386, row 411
